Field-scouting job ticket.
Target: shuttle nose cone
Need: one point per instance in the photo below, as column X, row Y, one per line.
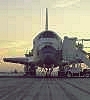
column 49, row 58
column 48, row 55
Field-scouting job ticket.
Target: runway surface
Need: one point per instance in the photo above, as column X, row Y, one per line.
column 44, row 89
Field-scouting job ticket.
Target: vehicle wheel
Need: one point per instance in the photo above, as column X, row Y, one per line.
column 69, row 74
column 87, row 75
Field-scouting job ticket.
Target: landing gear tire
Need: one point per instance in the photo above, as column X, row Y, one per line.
column 30, row 73
column 30, row 70
column 33, row 72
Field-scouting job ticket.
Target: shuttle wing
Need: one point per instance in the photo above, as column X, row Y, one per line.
column 20, row 60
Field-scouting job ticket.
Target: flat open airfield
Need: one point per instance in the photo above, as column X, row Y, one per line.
column 44, row 89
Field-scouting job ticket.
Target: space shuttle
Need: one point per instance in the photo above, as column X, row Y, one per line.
column 49, row 51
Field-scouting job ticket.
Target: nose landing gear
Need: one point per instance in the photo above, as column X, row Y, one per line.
column 48, row 72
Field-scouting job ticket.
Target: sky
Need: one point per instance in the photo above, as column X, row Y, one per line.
column 22, row 20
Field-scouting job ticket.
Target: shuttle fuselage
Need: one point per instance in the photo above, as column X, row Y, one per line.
column 47, row 48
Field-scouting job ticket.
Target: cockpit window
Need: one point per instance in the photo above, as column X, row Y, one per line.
column 47, row 34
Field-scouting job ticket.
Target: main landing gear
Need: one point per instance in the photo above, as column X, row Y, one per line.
column 30, row 70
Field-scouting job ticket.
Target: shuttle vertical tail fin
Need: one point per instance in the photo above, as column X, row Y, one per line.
column 46, row 26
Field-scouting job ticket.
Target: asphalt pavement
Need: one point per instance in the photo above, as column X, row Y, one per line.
column 44, row 89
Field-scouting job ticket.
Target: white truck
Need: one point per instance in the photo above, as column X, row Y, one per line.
column 70, row 72
column 74, row 72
